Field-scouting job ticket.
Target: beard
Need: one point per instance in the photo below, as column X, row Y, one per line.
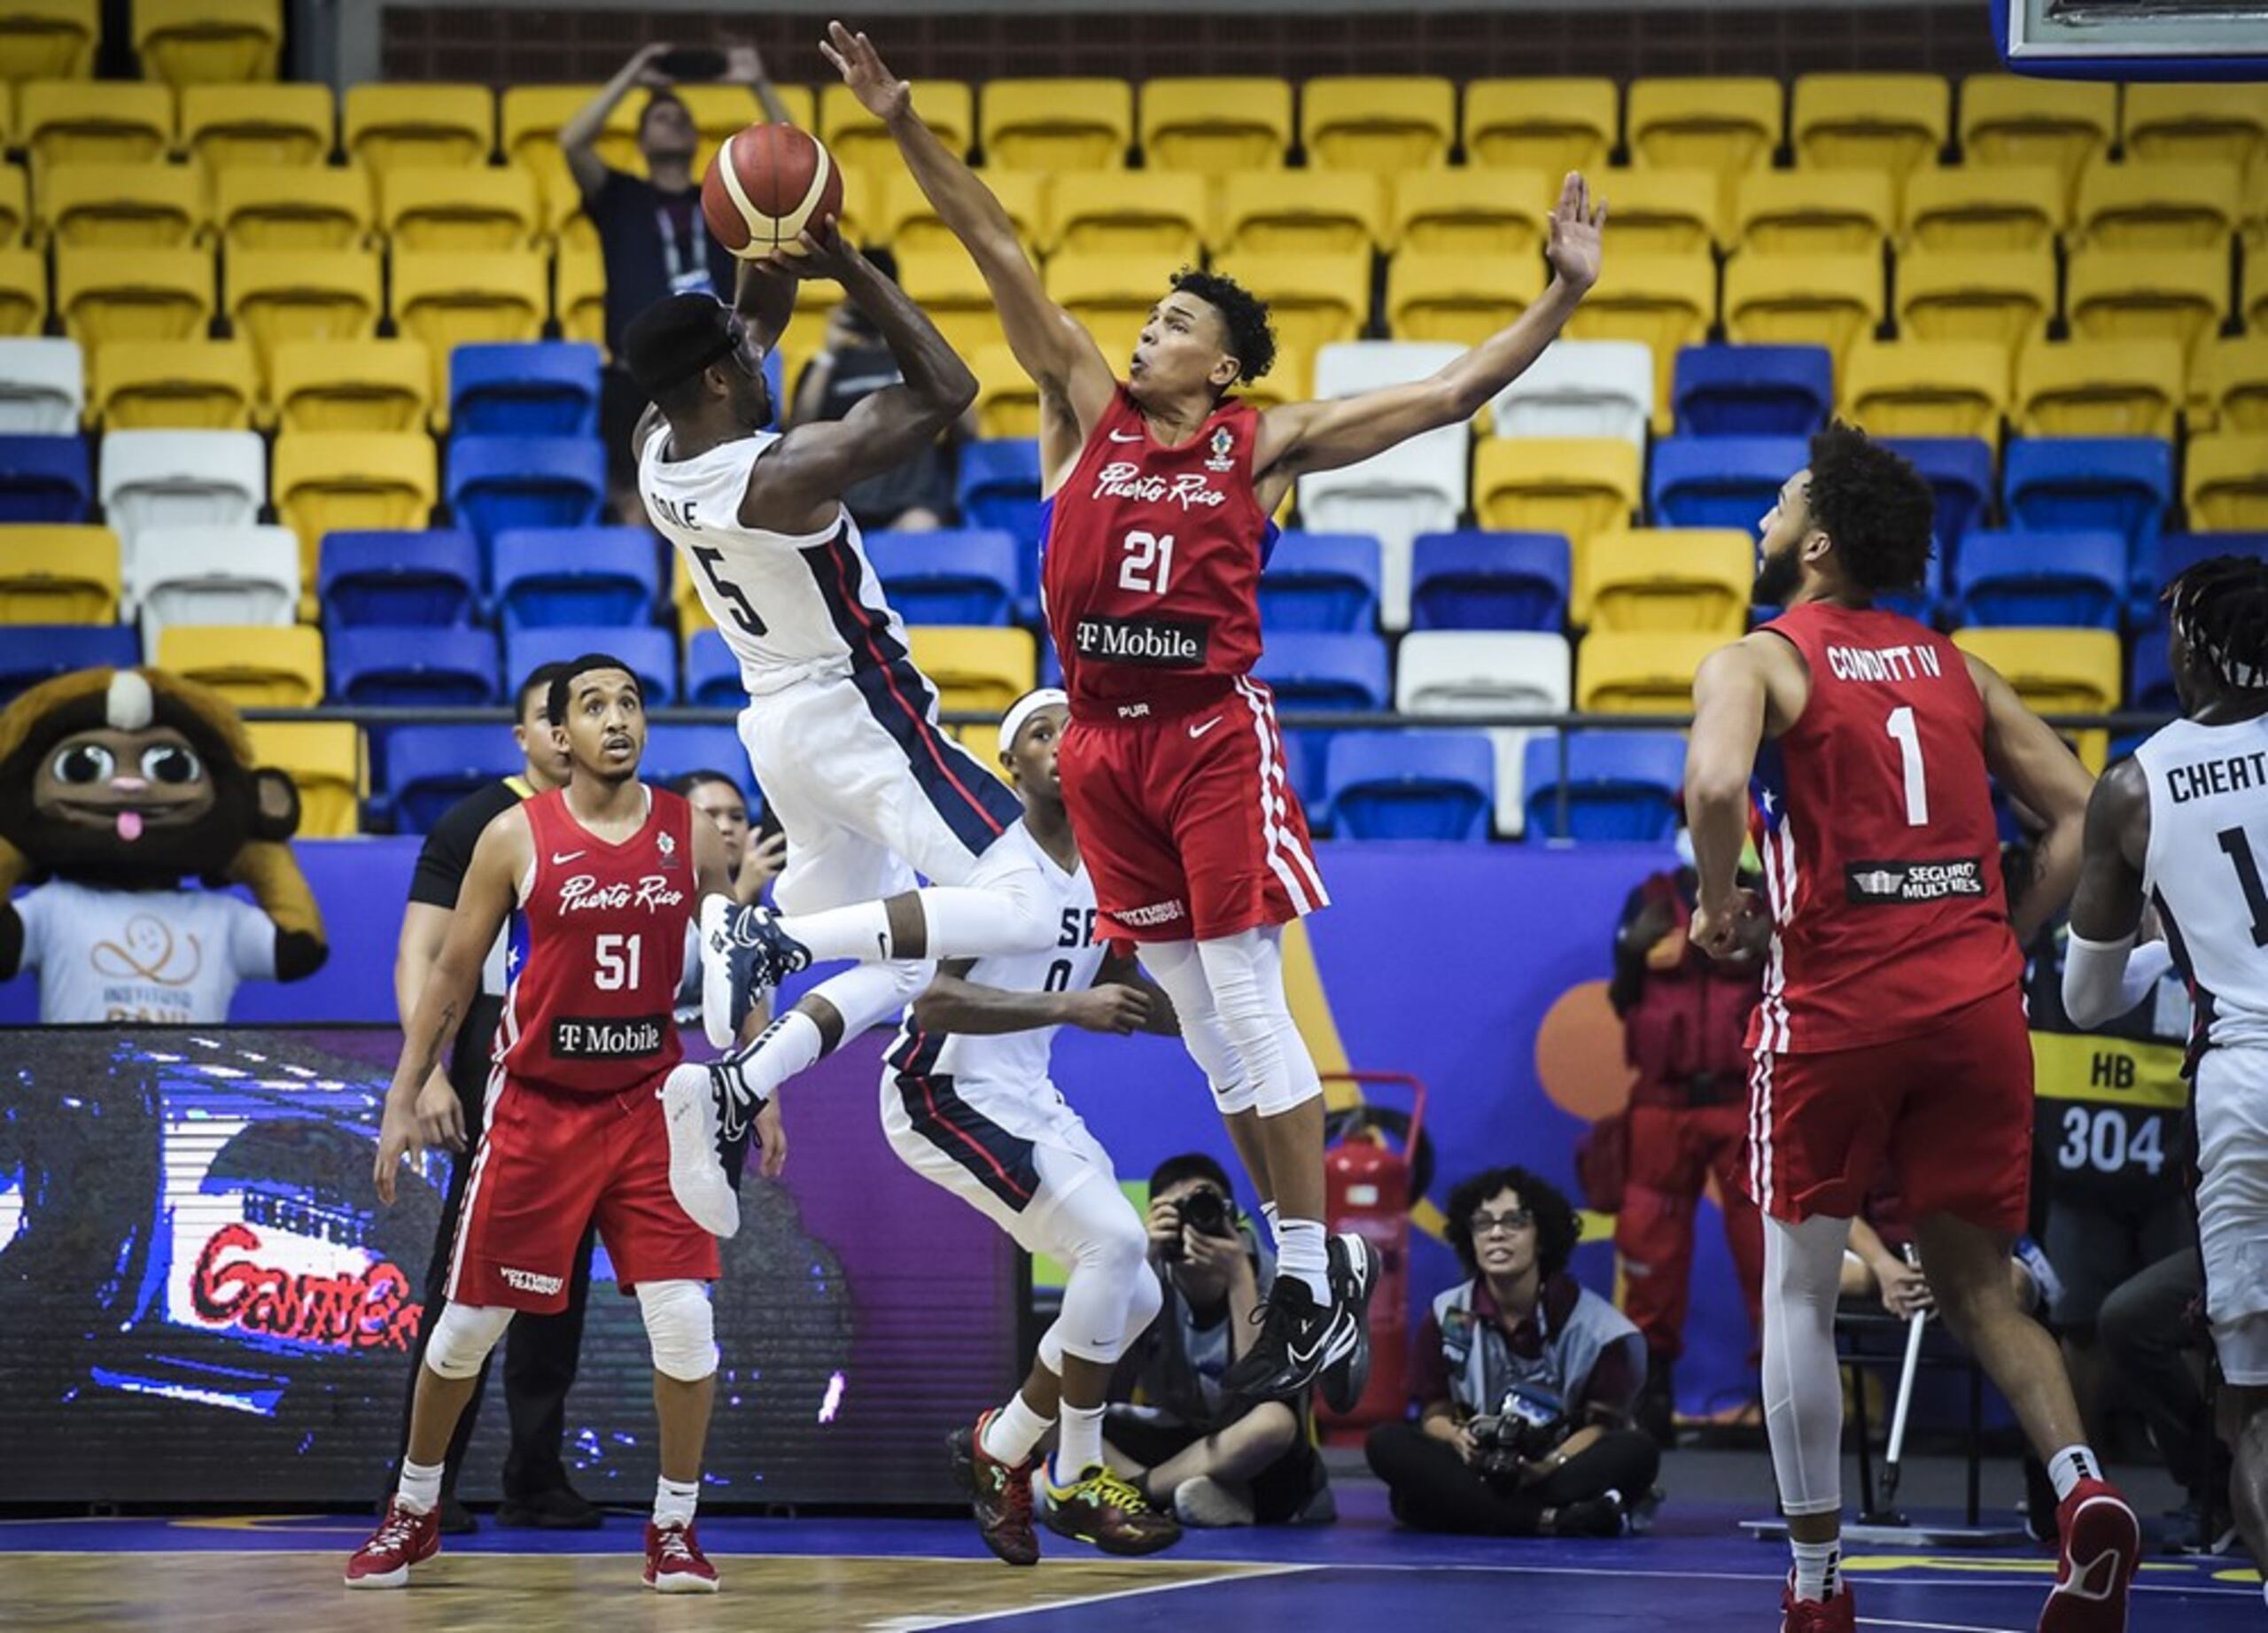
column 1777, row 578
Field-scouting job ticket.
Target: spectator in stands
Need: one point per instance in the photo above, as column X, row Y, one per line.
column 751, row 866
column 651, row 234
column 1523, row 1381
column 1172, row 1432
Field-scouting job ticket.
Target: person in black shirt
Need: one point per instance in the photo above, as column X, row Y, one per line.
column 853, row 364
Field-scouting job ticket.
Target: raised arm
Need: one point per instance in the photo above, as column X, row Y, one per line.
column 578, row 136
column 2033, row 765
column 744, row 65
column 953, row 1003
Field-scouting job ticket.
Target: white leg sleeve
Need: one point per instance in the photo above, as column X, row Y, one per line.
column 681, row 1326
column 1802, row 1387
column 463, row 1338
column 1100, row 1237
column 1176, row 967
column 1246, row 974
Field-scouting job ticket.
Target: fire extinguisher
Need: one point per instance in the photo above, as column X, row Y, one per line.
column 1371, row 1177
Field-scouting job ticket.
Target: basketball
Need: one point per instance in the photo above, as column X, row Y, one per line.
column 765, row 185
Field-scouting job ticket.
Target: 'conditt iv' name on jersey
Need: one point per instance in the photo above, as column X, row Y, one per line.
column 2207, row 870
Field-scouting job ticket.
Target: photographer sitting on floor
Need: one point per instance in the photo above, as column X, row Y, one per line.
column 1523, row 1381
column 1211, row 1467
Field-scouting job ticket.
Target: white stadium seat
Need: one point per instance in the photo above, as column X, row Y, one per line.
column 1487, row 671
column 42, row 386
column 233, row 575
column 1582, row 388
column 180, row 479
column 1416, row 487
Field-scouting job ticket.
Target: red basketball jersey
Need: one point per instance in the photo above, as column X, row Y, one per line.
column 1151, row 576
column 1874, row 817
column 600, row 950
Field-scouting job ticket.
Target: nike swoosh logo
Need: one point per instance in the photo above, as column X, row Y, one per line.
column 1121, row 436
column 1199, row 731
column 558, row 861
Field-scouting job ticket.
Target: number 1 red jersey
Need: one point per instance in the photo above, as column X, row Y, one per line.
column 1874, row 817
column 599, row 950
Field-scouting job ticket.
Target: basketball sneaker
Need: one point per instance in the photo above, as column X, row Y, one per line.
column 1354, row 1273
column 1299, row 1340
column 402, row 1539
column 744, row 954
column 1102, row 1510
column 1839, row 1614
column 693, row 1105
column 1000, row 1494
column 2102, row 1546
column 674, row 1562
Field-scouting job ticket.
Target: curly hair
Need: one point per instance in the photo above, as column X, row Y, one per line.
column 1557, row 1227
column 2222, row 606
column 1876, row 508
column 1251, row 339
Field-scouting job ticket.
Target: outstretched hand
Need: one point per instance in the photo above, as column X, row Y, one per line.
column 1573, row 244
column 825, row 255
column 880, row 92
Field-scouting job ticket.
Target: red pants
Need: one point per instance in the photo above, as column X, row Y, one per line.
column 1673, row 1153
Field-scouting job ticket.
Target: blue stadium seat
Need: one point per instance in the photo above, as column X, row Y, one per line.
column 2072, row 580
column 1753, row 390
column 2177, row 553
column 1620, row 785
column 1489, row 580
column 1959, row 470
column 966, row 577
column 1924, row 604
column 1321, row 584
column 1308, row 671
column 399, row 579
column 651, row 653
column 545, row 576
column 44, row 479
column 673, row 751
column 500, row 483
column 31, row 653
column 1721, row 481
column 1412, row 785
column 2084, row 484
column 547, row 388
column 2151, row 686
column 421, row 667
column 429, row 768
column 712, row 675
column 999, row 487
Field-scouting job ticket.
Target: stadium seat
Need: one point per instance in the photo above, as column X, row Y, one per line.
column 208, row 42
column 292, row 207
column 132, row 206
column 1469, row 212
column 447, row 299
column 429, row 768
column 1891, row 123
column 1667, row 301
column 1211, row 127
column 1489, row 580
column 254, row 667
column 969, row 577
column 1752, row 391
column 1321, row 584
column 719, row 111
column 102, row 296
column 1721, row 481
column 1416, row 486
column 2226, row 488
column 501, row 482
column 350, row 385
column 1927, row 388
column 42, row 386
column 459, row 208
column 2031, row 580
column 1462, row 673
column 2086, row 484
column 581, row 575
column 2145, row 294
column 1959, row 470
column 1007, row 399
column 328, row 766
column 1140, row 213
column 672, row 751
column 1581, row 388
column 1650, row 672
column 582, row 295
column 2191, row 205
column 1812, row 212
column 529, row 119
column 542, row 389
column 225, row 126
column 2053, row 670
column 1298, row 212
column 2177, row 553
column 2174, row 124
column 1984, row 209
column 15, row 201
column 23, row 292
column 400, row 580
column 1725, row 126
column 2006, row 297
column 232, row 576
column 2232, row 383
column 1313, row 300
column 1577, row 485
column 394, row 127
column 1659, row 211
column 67, row 574
column 2255, row 301
column 175, row 386
column 1052, row 125
column 712, row 675
column 181, row 478
column 976, row 670
column 1386, row 123
column 44, row 479
column 49, row 39
column 335, row 481
column 2098, row 388
column 909, row 223
column 1828, row 300
column 2005, row 119
column 34, row 652
column 651, row 653
column 277, row 296
column 1352, row 367
column 82, row 121
column 946, row 285
column 2150, row 687
column 1457, row 298
column 1437, row 785
column 1548, row 125
column 998, row 487
column 1669, row 578
column 1311, row 671
column 1619, row 786
column 860, row 141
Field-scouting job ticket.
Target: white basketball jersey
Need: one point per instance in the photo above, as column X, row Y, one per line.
column 791, row 607
column 2207, row 863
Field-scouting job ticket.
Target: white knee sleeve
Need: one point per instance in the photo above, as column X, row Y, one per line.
column 1246, row 974
column 868, row 994
column 1176, row 965
column 463, row 1338
column 1803, row 1386
column 681, row 1326
column 1107, row 1249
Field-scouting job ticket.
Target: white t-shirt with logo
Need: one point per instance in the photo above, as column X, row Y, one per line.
column 142, row 955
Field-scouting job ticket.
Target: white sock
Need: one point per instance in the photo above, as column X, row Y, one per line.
column 786, row 1046
column 1300, row 1251
column 420, row 1490
column 1079, row 1447
column 960, row 922
column 675, row 1501
column 2070, row 1465
column 1015, row 1430
column 1817, row 1567
column 1268, row 1214
column 858, row 931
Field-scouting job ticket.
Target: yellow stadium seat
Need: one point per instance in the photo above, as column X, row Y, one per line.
column 1291, row 378
column 529, row 119
column 2007, row 120
column 79, row 121
column 1112, row 295
column 581, row 299
column 1725, row 126
column 719, row 111
column 330, row 481
column 392, row 126
column 2007, row 297
column 1581, row 486
column 292, row 206
column 1984, row 207
column 859, row 140
column 2256, row 213
column 1695, row 580
column 1302, row 212
column 2189, row 205
column 448, row 299
column 1645, row 672
column 59, row 575
column 907, row 221
column 1667, row 301
column 2254, row 301
column 1470, row 212
column 122, row 206
column 1664, row 212
column 23, row 292
column 351, row 385
column 1312, row 299
column 102, row 296
column 1213, row 125
column 1007, row 402
column 208, row 42
column 1827, row 300
column 1812, row 211
column 48, row 39
column 1891, row 122
column 2197, row 124
column 947, row 286
column 1465, row 298
column 2098, row 388
column 2233, row 382
column 2136, row 294
column 1056, row 125
column 1138, row 213
column 254, row 666
column 327, row 763
column 2227, row 482
column 974, row 669
column 462, row 207
column 174, row 386
column 2053, row 670
column 1550, row 125
column 15, row 204
column 229, row 125
column 1927, row 388
column 280, row 295
column 1383, row 122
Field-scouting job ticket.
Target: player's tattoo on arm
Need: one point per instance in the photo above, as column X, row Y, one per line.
column 444, row 1034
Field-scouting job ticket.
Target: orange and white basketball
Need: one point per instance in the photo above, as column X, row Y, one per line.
column 765, row 185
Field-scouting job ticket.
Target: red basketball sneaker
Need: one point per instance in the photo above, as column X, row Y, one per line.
column 402, row 1539
column 674, row 1562
column 1000, row 1494
column 1838, row 1615
column 2102, row 1546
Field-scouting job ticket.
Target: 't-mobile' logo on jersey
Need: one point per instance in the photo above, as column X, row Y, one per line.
column 629, row 1038
column 1152, row 643
column 1124, row 481
column 1878, row 884
column 583, row 893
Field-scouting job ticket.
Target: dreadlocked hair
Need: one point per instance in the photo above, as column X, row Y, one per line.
column 1876, row 508
column 2221, row 605
column 1251, row 339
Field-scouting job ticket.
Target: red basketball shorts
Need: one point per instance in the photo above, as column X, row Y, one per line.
column 548, row 1166
column 1949, row 1111
column 1188, row 824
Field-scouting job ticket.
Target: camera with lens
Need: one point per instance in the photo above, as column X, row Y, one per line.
column 1528, row 1424
column 1206, row 1211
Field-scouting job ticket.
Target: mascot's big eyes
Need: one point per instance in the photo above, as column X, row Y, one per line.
column 87, row 762
column 168, row 764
